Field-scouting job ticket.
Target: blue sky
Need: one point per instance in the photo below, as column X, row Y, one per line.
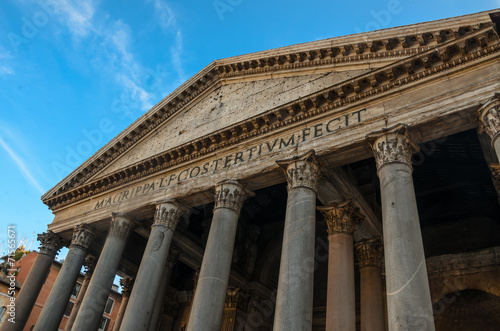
column 74, row 74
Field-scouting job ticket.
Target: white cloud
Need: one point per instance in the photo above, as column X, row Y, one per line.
column 78, row 16
column 165, row 16
column 176, row 53
column 21, row 165
column 138, row 92
column 167, row 21
column 108, row 41
column 6, row 70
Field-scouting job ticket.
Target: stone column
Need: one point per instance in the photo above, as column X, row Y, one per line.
column 408, row 297
column 89, row 269
column 25, row 300
column 489, row 119
column 126, row 284
column 170, row 309
column 95, row 299
column 210, row 295
column 53, row 309
column 230, row 306
column 147, row 282
column 294, row 303
column 369, row 254
column 173, row 255
column 341, row 219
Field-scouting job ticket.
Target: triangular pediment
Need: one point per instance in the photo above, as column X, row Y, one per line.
column 223, row 106
column 231, row 97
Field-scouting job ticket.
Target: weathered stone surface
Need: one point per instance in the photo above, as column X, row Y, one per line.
column 422, row 107
column 238, row 116
column 229, row 103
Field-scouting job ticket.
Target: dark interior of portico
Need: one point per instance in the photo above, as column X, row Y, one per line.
column 458, row 209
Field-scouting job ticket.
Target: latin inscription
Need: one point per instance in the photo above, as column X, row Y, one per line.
column 236, row 158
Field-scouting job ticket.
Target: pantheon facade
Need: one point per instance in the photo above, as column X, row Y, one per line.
column 346, row 184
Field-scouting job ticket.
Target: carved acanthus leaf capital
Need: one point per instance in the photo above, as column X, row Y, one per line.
column 231, row 194
column 236, row 298
column 50, row 243
column 121, row 225
column 489, row 117
column 126, row 283
column 89, row 265
column 495, row 170
column 82, row 237
column 302, row 171
column 341, row 217
column 168, row 213
column 369, row 253
column 392, row 145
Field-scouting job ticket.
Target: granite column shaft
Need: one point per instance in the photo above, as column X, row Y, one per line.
column 126, row 284
column 369, row 253
column 143, row 297
column 95, row 299
column 294, row 302
column 162, row 289
column 50, row 245
column 89, row 264
column 53, row 309
column 341, row 219
column 210, row 295
column 409, row 304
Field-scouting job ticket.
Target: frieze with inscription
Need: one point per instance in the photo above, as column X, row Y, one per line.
column 244, row 156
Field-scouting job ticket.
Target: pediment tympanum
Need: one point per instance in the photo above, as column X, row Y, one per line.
column 238, row 98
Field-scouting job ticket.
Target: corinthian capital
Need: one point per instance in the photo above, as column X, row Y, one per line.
column 302, row 171
column 168, row 213
column 236, row 298
column 121, row 225
column 489, row 117
column 82, row 237
column 341, row 217
column 231, row 194
column 495, row 169
column 392, row 145
column 369, row 253
column 50, row 243
column 89, row 265
column 126, row 283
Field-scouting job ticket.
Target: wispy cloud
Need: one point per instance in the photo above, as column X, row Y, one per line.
column 167, row 21
column 109, row 41
column 21, row 165
column 6, row 70
column 165, row 16
column 78, row 16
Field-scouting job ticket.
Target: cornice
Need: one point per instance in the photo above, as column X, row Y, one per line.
column 468, row 44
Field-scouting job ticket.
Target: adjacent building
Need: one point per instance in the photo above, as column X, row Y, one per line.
column 24, row 266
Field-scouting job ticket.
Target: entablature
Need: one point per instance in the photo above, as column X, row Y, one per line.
column 409, row 42
column 365, row 88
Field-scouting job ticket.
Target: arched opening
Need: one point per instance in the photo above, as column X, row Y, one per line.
column 467, row 310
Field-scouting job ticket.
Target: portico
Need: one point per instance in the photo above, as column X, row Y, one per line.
column 304, row 210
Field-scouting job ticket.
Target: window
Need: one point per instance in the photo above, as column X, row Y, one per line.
column 69, row 308
column 103, row 325
column 109, row 306
column 76, row 290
